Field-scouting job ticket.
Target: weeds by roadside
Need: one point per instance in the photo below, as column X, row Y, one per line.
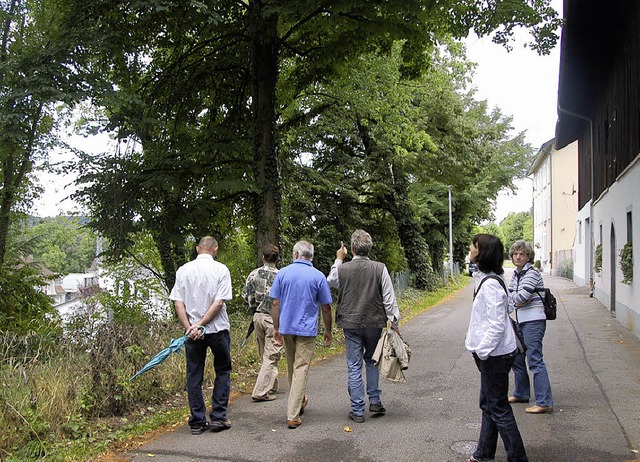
column 73, row 400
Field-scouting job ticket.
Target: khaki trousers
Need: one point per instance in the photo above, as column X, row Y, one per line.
column 299, row 352
column 267, row 380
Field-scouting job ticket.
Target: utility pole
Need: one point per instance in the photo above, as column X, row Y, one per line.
column 450, row 235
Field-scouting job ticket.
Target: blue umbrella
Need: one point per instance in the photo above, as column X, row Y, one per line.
column 174, row 347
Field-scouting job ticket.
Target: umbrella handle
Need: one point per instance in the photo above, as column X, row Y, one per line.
column 203, row 331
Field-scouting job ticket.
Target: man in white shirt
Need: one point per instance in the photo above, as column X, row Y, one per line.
column 202, row 286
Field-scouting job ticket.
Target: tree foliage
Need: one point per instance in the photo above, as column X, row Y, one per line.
column 515, row 227
column 207, row 93
column 62, row 244
column 36, row 77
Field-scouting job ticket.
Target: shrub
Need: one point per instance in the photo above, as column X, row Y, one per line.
column 566, row 270
column 626, row 263
column 598, row 259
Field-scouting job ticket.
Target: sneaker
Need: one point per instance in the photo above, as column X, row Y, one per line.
column 200, row 429
column 220, row 425
column 356, row 418
column 539, row 409
column 377, row 408
column 513, row 399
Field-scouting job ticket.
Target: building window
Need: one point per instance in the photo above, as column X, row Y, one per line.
column 629, row 227
column 600, row 233
column 579, row 232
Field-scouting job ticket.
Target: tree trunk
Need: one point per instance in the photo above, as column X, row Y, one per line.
column 6, row 203
column 264, row 70
column 16, row 166
column 415, row 247
column 398, row 205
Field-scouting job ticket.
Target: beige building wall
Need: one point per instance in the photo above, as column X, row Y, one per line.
column 555, row 206
column 564, row 197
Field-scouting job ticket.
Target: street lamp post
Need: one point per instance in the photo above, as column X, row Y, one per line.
column 450, row 235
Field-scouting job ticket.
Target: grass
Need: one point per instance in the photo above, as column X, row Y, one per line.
column 45, row 399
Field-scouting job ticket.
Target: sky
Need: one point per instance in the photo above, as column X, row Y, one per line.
column 524, row 86
column 521, row 83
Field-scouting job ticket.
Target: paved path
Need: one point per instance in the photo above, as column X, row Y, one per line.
column 594, row 365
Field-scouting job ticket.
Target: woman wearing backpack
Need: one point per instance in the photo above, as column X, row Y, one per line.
column 492, row 341
column 525, row 300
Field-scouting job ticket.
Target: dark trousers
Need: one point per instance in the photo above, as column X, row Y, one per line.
column 497, row 415
column 196, row 353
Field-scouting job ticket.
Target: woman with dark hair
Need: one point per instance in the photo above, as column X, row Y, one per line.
column 492, row 341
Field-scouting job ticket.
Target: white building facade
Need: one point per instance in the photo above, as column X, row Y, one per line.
column 599, row 107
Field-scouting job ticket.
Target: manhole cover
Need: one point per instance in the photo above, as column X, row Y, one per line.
column 464, row 447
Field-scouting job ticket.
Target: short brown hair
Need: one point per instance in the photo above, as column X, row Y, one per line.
column 270, row 253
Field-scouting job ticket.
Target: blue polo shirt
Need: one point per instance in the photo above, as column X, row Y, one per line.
column 300, row 288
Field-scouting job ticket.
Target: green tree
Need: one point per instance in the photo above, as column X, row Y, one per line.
column 63, row 244
column 380, row 149
column 489, row 228
column 36, row 77
column 202, row 80
column 24, row 304
column 513, row 227
column 527, row 229
column 318, row 41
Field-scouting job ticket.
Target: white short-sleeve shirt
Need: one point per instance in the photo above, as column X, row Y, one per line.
column 198, row 284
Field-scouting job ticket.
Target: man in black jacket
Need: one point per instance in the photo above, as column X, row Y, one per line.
column 366, row 301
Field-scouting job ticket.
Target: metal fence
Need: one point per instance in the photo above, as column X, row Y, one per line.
column 401, row 281
column 446, row 271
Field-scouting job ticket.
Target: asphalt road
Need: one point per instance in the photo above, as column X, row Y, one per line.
column 593, row 362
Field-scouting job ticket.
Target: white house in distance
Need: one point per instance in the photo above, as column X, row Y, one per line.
column 53, row 288
column 599, row 106
column 555, row 204
column 72, row 284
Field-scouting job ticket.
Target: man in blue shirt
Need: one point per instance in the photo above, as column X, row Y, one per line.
column 297, row 291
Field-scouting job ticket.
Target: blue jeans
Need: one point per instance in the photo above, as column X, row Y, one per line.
column 497, row 415
column 533, row 332
column 361, row 343
column 196, row 353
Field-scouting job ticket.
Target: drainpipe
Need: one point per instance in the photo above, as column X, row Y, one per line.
column 592, row 192
column 552, row 260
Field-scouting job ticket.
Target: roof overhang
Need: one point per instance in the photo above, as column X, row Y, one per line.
column 589, row 37
column 542, row 154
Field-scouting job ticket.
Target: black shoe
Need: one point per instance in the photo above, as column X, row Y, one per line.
column 356, row 418
column 200, row 429
column 220, row 425
column 377, row 408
